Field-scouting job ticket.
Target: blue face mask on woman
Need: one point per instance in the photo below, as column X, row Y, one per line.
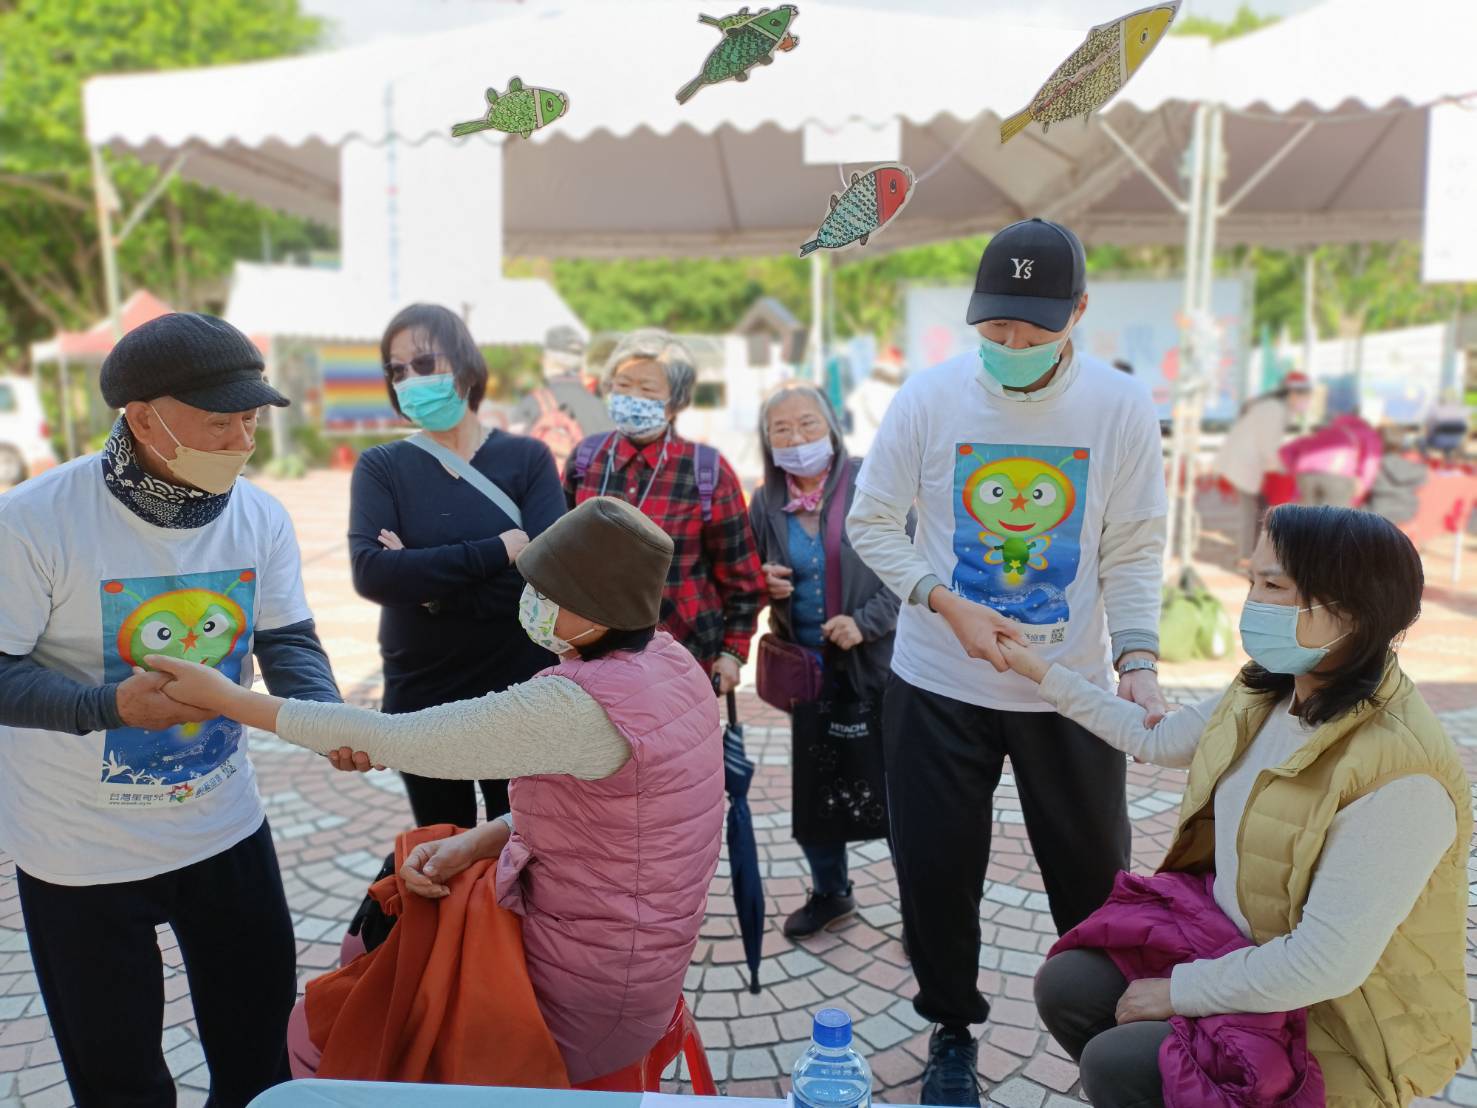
column 1019, row 369
column 636, row 416
column 1269, row 633
column 431, row 402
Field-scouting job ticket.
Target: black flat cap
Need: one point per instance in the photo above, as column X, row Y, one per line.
column 198, row 359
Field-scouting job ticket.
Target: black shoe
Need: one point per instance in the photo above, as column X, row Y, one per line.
column 819, row 913
column 950, row 1076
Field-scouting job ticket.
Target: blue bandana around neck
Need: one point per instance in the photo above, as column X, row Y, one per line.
column 153, row 500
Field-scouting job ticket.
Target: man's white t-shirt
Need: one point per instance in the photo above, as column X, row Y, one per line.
column 1012, row 496
column 90, row 589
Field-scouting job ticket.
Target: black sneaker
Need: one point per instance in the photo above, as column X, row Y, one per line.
column 820, row 912
column 950, row 1076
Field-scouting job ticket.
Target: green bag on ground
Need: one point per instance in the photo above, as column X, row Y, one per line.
column 1193, row 624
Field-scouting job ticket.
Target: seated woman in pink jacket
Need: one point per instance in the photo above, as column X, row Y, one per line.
column 616, row 757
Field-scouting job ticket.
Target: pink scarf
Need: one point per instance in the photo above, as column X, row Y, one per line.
column 806, row 501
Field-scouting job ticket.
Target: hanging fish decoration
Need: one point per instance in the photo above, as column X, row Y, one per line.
column 519, row 111
column 1107, row 58
column 871, row 201
column 748, row 40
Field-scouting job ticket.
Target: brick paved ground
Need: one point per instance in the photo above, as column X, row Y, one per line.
column 332, row 829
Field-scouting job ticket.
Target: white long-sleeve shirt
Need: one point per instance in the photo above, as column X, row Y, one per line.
column 1379, row 854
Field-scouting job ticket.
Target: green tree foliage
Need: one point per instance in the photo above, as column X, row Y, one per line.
column 1243, row 21
column 50, row 273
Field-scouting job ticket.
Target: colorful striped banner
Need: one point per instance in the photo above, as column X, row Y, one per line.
column 354, row 397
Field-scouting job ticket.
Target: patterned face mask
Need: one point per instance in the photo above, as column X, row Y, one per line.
column 537, row 614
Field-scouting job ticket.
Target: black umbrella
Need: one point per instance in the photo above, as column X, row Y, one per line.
column 743, row 852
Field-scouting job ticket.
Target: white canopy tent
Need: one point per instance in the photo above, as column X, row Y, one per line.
column 1311, row 131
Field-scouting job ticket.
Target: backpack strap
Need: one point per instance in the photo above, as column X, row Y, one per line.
column 584, row 453
column 706, row 461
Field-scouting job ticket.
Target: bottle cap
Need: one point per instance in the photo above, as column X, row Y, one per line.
column 832, row 1028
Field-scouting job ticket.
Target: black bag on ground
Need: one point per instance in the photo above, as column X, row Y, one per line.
column 370, row 922
column 839, row 789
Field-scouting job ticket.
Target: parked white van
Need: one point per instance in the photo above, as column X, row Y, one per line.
column 25, row 438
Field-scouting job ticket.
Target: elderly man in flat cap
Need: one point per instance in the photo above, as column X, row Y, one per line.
column 122, row 809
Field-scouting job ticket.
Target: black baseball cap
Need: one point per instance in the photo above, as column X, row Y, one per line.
column 198, row 359
column 1034, row 271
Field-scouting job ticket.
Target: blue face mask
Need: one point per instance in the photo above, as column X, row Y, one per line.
column 1019, row 369
column 1269, row 633
column 431, row 402
column 636, row 416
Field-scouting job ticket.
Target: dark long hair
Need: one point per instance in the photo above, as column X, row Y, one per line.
column 614, row 641
column 1361, row 564
column 446, row 334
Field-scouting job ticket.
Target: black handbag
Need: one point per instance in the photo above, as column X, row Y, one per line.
column 838, row 782
column 370, row 922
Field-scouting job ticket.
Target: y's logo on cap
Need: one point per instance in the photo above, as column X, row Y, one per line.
column 1023, row 268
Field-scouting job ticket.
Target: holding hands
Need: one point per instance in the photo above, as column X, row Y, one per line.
column 200, row 687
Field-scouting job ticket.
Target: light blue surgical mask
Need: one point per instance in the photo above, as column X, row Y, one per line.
column 431, row 402
column 636, row 416
column 1269, row 634
column 1019, row 369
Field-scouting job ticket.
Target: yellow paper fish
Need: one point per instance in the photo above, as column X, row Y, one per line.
column 1107, row 58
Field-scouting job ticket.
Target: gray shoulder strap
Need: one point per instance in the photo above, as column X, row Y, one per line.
column 466, row 470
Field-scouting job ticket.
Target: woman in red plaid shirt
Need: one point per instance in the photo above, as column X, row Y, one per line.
column 715, row 587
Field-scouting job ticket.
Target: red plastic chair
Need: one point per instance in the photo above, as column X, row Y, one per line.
column 645, row 1076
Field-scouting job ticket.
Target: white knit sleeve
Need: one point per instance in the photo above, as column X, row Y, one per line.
column 546, row 725
column 1120, row 723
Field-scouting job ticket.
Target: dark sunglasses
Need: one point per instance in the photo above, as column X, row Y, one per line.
column 423, row 365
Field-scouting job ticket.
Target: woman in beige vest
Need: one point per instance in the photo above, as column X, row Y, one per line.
column 1335, row 814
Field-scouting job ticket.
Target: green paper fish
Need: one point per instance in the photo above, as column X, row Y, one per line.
column 519, row 111
column 871, row 200
column 750, row 41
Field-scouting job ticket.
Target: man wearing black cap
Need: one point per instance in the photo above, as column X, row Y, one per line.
column 122, row 809
column 1039, row 489
column 563, row 412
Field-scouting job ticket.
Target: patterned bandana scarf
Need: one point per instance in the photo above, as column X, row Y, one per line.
column 162, row 503
column 806, row 501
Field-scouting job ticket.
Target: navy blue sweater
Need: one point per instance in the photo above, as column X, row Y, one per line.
column 449, row 621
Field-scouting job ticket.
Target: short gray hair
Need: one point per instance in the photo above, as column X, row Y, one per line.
column 656, row 345
column 798, row 388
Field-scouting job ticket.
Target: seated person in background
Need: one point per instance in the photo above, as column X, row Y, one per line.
column 616, row 757
column 1337, row 464
column 1335, row 815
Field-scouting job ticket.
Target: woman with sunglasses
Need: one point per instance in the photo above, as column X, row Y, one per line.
column 436, row 553
column 1328, row 815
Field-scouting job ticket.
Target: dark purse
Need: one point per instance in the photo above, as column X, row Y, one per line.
column 788, row 673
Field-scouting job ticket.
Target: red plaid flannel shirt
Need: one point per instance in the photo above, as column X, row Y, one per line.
column 715, row 587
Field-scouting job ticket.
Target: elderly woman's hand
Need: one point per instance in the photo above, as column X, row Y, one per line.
column 842, row 632
column 777, row 580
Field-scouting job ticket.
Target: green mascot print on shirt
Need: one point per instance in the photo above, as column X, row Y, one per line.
column 201, row 617
column 1017, row 531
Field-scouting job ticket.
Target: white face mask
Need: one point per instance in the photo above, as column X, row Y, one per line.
column 214, row 471
column 537, row 615
column 809, row 459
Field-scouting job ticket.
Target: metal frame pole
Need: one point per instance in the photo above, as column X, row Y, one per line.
column 818, row 318
column 64, row 406
column 106, row 200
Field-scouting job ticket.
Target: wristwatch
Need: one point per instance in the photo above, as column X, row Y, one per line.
column 1137, row 664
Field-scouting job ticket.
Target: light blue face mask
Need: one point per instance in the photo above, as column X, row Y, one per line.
column 636, row 416
column 431, row 402
column 1269, row 633
column 1019, row 369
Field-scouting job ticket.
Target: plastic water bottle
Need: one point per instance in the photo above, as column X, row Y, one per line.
column 830, row 1074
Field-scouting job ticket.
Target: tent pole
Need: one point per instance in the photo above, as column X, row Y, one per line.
column 156, row 190
column 107, row 200
column 1310, row 286
column 64, row 403
column 818, row 318
column 1193, row 171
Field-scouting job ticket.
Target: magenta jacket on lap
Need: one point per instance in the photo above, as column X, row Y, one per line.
column 611, row 877
column 1152, row 924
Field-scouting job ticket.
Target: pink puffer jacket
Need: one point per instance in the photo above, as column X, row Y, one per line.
column 1150, row 925
column 611, row 877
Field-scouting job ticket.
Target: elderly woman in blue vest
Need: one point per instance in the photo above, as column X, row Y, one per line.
column 805, row 461
column 436, row 552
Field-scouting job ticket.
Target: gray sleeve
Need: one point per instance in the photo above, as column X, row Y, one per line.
column 294, row 664
column 546, row 725
column 1130, row 574
column 33, row 696
column 1378, row 856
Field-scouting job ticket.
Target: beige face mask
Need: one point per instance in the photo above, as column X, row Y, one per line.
column 215, row 471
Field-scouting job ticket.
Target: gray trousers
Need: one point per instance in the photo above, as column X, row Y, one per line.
column 1077, row 994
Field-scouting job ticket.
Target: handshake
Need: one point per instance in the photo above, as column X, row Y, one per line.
column 171, row 692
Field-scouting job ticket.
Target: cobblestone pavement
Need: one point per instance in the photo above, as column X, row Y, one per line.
column 332, row 829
